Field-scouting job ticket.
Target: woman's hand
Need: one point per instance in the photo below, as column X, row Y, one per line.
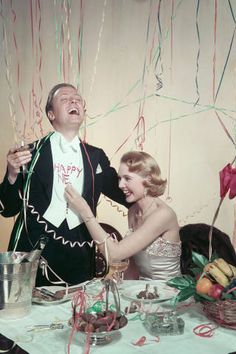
column 76, row 202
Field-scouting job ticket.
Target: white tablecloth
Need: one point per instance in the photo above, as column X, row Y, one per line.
column 56, row 341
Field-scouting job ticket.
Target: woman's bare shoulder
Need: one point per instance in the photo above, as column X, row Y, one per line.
column 165, row 212
column 167, row 218
column 163, row 207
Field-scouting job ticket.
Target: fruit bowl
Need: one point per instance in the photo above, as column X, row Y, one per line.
column 222, row 312
column 213, row 284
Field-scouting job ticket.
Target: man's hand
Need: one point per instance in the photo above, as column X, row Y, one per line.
column 16, row 158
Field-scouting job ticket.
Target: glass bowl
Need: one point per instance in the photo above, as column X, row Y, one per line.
column 96, row 338
column 91, row 327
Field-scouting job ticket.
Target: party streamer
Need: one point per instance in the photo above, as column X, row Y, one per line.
column 98, row 50
column 198, row 53
column 228, row 55
column 159, row 58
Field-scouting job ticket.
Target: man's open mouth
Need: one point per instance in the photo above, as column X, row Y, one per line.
column 74, row 111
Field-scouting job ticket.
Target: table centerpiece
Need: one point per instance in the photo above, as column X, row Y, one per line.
column 213, row 283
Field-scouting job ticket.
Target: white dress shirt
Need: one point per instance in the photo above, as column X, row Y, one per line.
column 67, row 168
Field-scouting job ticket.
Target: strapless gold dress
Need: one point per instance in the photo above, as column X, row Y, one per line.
column 160, row 260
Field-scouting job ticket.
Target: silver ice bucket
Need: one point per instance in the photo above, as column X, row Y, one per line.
column 17, row 279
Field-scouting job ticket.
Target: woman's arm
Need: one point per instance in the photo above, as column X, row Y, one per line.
column 79, row 205
column 157, row 224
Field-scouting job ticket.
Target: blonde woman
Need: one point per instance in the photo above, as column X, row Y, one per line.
column 153, row 239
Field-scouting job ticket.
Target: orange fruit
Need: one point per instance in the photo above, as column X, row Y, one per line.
column 203, row 286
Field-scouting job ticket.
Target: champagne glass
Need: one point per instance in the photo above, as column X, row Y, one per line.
column 21, row 147
column 117, row 269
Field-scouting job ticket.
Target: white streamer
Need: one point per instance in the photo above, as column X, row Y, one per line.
column 98, row 50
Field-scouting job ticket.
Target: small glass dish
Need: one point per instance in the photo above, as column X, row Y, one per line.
column 163, row 323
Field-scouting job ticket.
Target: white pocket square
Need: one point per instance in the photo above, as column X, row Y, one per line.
column 99, row 169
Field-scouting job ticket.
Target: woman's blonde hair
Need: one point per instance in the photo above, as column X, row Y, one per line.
column 146, row 166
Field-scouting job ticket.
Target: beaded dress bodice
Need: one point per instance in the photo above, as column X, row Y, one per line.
column 160, row 260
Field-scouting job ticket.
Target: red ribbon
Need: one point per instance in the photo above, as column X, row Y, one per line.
column 140, row 342
column 205, row 330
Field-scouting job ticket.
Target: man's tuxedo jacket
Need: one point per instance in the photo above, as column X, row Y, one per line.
column 72, row 263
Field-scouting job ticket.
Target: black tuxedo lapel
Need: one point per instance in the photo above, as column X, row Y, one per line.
column 43, row 172
column 89, row 174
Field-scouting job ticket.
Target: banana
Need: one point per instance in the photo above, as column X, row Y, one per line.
column 233, row 268
column 217, row 274
column 221, row 271
column 224, row 267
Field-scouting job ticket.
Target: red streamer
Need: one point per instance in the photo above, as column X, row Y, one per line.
column 18, row 62
column 140, row 342
column 205, row 330
column 214, row 56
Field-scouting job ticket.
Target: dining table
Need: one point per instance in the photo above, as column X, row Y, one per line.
column 134, row 337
